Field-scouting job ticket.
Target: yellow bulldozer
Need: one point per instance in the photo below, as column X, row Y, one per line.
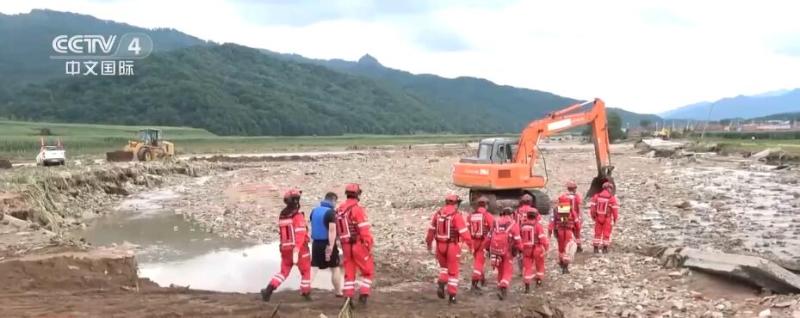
column 149, row 146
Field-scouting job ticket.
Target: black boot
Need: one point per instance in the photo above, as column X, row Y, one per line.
column 502, row 293
column 475, row 287
column 362, row 300
column 605, row 249
column 527, row 288
column 483, row 282
column 596, row 250
column 566, row 268
column 440, row 291
column 580, row 249
column 306, row 296
column 538, row 283
column 266, row 293
column 452, row 299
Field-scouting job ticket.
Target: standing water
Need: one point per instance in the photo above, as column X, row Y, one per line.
column 172, row 250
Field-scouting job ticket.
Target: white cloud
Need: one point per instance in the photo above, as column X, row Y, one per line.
column 645, row 56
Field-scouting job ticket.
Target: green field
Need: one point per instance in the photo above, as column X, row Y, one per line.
column 20, row 140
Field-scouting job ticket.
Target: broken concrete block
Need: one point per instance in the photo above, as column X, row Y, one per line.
column 754, row 270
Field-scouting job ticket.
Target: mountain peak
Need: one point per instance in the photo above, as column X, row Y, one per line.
column 369, row 60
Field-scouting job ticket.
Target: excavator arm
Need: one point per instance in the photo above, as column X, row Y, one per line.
column 566, row 119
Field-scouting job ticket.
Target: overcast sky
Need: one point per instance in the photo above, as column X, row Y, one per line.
column 644, row 56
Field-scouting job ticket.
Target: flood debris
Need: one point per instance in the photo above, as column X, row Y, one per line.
column 750, row 269
column 5, row 164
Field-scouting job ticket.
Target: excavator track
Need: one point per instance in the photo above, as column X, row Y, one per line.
column 499, row 199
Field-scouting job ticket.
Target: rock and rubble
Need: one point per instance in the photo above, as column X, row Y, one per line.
column 699, row 201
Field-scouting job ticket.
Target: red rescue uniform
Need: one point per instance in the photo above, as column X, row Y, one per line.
column 501, row 249
column 448, row 228
column 604, row 209
column 480, row 223
column 534, row 247
column 294, row 237
column 564, row 222
column 354, row 234
column 575, row 204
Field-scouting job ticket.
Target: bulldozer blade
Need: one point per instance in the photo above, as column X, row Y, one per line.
column 119, row 156
column 597, row 185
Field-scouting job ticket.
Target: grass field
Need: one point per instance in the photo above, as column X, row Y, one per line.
column 20, row 140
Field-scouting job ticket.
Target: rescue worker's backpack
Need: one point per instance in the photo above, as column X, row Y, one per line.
column 528, row 234
column 500, row 244
column 476, row 228
column 602, row 205
column 346, row 229
column 445, row 231
column 286, row 232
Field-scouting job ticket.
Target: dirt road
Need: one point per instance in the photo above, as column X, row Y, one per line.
column 239, row 198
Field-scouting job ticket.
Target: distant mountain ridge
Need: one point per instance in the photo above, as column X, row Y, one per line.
column 782, row 101
column 235, row 90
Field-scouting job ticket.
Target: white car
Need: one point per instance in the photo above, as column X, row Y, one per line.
column 51, row 155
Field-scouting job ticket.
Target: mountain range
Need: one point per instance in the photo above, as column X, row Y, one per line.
column 760, row 105
column 235, row 90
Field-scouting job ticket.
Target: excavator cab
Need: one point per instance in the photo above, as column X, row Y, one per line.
column 495, row 150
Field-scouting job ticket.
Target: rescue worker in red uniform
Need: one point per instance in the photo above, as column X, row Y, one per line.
column 604, row 209
column 520, row 214
column 534, row 247
column 354, row 233
column 480, row 223
column 448, row 228
column 293, row 246
column 562, row 225
column 501, row 242
column 575, row 202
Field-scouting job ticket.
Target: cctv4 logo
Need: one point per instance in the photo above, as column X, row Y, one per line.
column 91, row 44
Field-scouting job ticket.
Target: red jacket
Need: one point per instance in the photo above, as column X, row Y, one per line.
column 532, row 234
column 293, row 231
column 603, row 206
column 447, row 225
column 480, row 223
column 355, row 222
column 521, row 213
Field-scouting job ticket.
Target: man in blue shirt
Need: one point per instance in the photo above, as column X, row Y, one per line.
column 324, row 252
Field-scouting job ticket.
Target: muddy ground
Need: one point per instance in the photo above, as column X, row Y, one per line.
column 708, row 201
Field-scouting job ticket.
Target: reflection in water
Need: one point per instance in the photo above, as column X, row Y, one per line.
column 172, row 250
column 239, row 270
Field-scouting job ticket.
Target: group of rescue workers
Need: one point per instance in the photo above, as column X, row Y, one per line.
column 513, row 235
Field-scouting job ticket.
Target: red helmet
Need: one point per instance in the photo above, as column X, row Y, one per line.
column 607, row 185
column 526, row 198
column 452, row 198
column 507, row 211
column 291, row 194
column 352, row 188
column 483, row 201
column 571, row 185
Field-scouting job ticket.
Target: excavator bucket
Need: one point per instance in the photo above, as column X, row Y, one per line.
column 597, row 186
column 119, row 156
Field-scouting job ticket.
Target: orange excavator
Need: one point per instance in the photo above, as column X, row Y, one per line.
column 504, row 168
